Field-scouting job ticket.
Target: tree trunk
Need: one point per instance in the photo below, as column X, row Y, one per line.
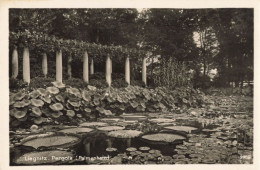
column 26, row 65
column 59, row 66
column 85, row 68
column 144, row 71
column 204, row 66
column 97, row 37
column 108, row 70
column 127, row 70
column 69, row 66
column 92, row 66
column 44, row 65
column 15, row 63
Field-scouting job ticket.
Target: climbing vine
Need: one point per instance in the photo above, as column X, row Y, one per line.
column 44, row 43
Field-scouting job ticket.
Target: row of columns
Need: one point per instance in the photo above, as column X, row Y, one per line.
column 26, row 67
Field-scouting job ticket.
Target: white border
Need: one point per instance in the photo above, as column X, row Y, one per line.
column 4, row 95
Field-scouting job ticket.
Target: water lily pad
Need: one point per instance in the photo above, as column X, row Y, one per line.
column 134, row 117
column 19, row 114
column 182, row 128
column 70, row 113
column 34, row 128
column 167, row 124
column 110, row 120
column 86, row 96
column 93, row 88
column 59, row 98
column 111, row 149
column 34, row 94
column 76, row 130
column 74, row 91
column 162, row 120
column 51, row 157
column 74, row 103
column 58, row 84
column 52, row 141
column 38, row 120
column 47, row 99
column 107, row 112
column 53, row 90
column 19, row 104
column 37, row 102
column 56, row 114
column 36, row 111
column 125, row 133
column 144, row 148
column 56, row 107
column 131, row 149
column 163, row 137
column 110, row 128
column 19, row 96
column 93, row 124
column 42, row 91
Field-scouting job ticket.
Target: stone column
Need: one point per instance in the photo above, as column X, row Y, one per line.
column 15, row 63
column 108, row 70
column 127, row 70
column 92, row 66
column 144, row 71
column 85, row 68
column 26, row 65
column 69, row 66
column 44, row 65
column 59, row 66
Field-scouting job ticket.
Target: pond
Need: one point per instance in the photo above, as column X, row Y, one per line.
column 161, row 138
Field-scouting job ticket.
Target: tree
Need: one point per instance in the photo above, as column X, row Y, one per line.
column 234, row 30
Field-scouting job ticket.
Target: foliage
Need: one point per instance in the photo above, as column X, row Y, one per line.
column 225, row 36
column 171, row 74
column 51, row 103
column 169, row 32
column 234, row 31
column 16, row 84
column 76, row 83
column 201, row 81
column 45, row 43
column 119, row 83
column 247, row 91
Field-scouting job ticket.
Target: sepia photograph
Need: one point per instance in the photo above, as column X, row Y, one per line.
column 130, row 86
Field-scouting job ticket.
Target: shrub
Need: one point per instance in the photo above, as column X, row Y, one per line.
column 119, row 83
column 16, row 84
column 41, row 82
column 202, row 81
column 76, row 83
column 137, row 83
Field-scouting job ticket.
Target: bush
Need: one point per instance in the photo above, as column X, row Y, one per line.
column 16, row 84
column 75, row 82
column 41, row 82
column 137, row 83
column 98, row 83
column 119, row 83
column 202, row 82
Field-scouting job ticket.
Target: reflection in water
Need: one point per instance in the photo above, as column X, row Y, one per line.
column 128, row 142
column 87, row 148
column 109, row 143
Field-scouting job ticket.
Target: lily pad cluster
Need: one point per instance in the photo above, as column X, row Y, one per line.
column 61, row 103
column 144, row 155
